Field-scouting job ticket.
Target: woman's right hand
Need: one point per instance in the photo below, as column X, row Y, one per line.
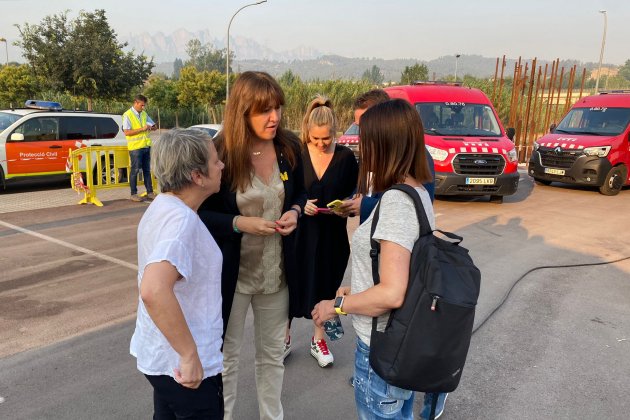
column 310, row 209
column 190, row 372
column 256, row 226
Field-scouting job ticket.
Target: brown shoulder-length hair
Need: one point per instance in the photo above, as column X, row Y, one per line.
column 253, row 92
column 319, row 113
column 392, row 146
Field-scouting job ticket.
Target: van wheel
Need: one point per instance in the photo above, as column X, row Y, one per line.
column 542, row 181
column 615, row 178
column 496, row 199
column 101, row 179
column 3, row 186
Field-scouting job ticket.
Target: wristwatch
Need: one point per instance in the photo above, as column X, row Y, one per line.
column 339, row 305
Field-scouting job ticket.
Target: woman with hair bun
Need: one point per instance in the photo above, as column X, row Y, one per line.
column 330, row 173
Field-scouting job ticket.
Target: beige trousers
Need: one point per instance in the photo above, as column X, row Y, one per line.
column 271, row 313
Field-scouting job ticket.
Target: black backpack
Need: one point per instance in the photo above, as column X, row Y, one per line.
column 424, row 346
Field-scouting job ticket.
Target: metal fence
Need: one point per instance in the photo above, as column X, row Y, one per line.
column 539, row 97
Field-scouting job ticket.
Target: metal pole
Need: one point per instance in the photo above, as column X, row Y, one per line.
column 494, row 82
column 456, row 60
column 601, row 53
column 227, row 56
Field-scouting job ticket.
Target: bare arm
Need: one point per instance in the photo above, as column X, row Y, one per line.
column 387, row 295
column 156, row 291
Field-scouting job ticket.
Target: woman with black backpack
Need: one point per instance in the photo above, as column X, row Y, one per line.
column 392, row 152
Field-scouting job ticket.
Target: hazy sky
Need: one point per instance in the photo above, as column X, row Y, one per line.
column 423, row 29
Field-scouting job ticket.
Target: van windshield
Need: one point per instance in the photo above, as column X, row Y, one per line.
column 597, row 121
column 458, row 119
column 7, row 119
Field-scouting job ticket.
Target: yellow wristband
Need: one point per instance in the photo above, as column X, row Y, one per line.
column 339, row 305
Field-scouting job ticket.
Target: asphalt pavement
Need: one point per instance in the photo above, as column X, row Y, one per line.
column 557, row 348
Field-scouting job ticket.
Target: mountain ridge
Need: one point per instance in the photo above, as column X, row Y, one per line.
column 310, row 63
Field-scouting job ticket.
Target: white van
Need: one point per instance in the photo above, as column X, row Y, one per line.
column 35, row 141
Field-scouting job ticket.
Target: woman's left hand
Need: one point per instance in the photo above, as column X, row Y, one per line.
column 323, row 311
column 287, row 223
column 310, row 209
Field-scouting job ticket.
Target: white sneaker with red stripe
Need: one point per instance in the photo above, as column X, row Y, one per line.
column 319, row 350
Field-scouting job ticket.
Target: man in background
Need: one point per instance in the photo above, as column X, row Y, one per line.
column 363, row 205
column 136, row 125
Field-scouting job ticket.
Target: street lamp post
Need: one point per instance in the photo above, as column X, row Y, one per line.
column 227, row 56
column 456, row 62
column 6, row 48
column 601, row 53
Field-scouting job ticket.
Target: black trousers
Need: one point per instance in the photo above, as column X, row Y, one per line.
column 172, row 401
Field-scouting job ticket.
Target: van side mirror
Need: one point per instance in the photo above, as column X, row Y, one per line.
column 510, row 132
column 552, row 127
column 17, row 137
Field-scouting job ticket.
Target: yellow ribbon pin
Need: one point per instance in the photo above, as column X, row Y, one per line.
column 284, row 176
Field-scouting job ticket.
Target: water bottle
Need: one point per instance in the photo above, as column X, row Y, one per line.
column 333, row 328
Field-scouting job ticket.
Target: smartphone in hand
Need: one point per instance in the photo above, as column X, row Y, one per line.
column 335, row 205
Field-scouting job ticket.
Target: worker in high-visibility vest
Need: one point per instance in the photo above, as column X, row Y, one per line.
column 136, row 125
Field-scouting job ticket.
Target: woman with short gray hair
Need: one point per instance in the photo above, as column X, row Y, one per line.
column 177, row 340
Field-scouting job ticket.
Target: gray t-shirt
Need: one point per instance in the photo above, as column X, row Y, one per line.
column 397, row 223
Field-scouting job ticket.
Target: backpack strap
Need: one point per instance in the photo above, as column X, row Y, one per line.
column 375, row 246
column 425, row 226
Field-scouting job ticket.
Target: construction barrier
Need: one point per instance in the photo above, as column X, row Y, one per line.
column 100, row 167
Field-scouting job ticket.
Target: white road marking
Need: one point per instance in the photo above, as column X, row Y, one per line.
column 71, row 246
column 1, row 399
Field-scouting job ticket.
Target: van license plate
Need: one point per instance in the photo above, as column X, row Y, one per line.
column 479, row 181
column 553, row 171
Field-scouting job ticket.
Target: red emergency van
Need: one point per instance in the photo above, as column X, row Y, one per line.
column 590, row 146
column 471, row 151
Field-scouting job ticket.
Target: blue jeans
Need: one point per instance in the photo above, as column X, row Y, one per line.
column 140, row 161
column 375, row 398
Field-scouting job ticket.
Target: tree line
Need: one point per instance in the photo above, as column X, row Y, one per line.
column 80, row 63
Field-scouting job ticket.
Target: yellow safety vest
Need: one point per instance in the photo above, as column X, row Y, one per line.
column 141, row 140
